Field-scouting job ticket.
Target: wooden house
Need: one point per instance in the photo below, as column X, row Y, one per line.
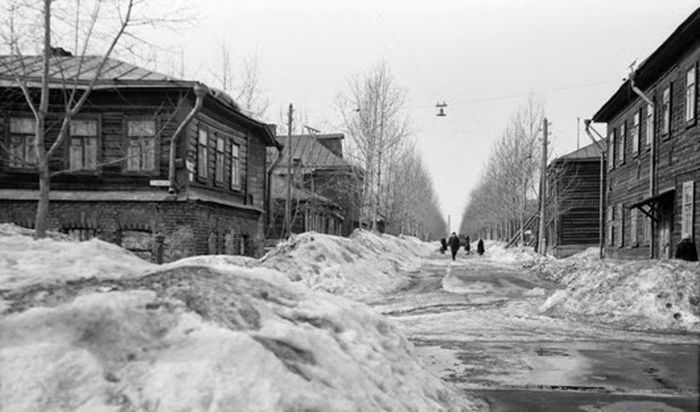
column 573, row 199
column 116, row 178
column 324, row 183
column 654, row 150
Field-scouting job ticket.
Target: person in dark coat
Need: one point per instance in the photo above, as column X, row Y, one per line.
column 686, row 250
column 467, row 246
column 480, row 247
column 454, row 244
column 443, row 245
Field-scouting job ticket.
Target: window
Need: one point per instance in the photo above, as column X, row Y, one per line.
column 138, row 242
column 202, row 153
column 634, row 218
column 22, row 152
column 141, row 145
column 666, row 111
column 621, row 139
column 611, row 150
column 82, row 154
column 635, row 132
column 611, row 226
column 219, row 160
column 650, row 124
column 80, row 234
column 621, row 228
column 235, row 167
column 646, row 231
column 690, row 94
column 688, row 209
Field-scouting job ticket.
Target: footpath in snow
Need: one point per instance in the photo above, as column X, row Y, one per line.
column 87, row 326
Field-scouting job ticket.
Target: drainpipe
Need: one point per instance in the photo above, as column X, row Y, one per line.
column 601, row 196
column 652, row 155
column 200, row 91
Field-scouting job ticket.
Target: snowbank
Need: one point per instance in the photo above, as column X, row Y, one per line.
column 636, row 294
column 498, row 252
column 25, row 260
column 363, row 266
column 198, row 339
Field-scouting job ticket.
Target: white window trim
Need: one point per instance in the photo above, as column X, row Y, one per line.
column 688, row 210
column 691, row 81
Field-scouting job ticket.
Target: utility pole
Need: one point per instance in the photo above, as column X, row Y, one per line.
column 543, row 189
column 288, row 204
column 578, row 132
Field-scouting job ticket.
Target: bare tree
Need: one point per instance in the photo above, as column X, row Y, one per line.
column 245, row 85
column 93, row 25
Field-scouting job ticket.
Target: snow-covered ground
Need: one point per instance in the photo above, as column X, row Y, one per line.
column 363, row 266
column 90, row 327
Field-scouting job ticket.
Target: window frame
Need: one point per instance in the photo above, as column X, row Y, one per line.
column 650, row 125
column 691, row 89
column 688, row 210
column 621, row 222
column 636, row 131
column 611, row 149
column 98, row 144
column 235, row 166
column 666, row 100
column 634, row 224
column 156, row 145
column 203, row 154
column 219, row 160
column 20, row 168
column 622, row 137
column 611, row 225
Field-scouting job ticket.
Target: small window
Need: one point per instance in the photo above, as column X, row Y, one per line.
column 650, row 124
column 611, row 149
column 666, row 111
column 634, row 217
column 219, row 159
column 141, row 145
column 235, row 167
column 688, row 210
column 202, row 153
column 690, row 94
column 621, row 139
column 635, row 132
column 82, row 154
column 80, row 234
column 22, row 152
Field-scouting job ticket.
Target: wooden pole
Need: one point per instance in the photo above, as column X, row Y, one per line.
column 288, row 204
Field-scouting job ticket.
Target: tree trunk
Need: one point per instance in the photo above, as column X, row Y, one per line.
column 42, row 209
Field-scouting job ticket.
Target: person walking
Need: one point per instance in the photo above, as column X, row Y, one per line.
column 454, row 244
column 443, row 245
column 467, row 246
column 480, row 247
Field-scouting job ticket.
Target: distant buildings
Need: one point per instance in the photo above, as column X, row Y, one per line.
column 573, row 198
column 653, row 162
column 113, row 173
column 324, row 186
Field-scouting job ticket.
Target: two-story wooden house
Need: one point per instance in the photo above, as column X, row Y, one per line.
column 116, row 178
column 654, row 150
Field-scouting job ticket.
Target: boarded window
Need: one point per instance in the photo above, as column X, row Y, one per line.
column 690, row 94
column 141, row 146
column 650, row 124
column 666, row 111
column 634, row 218
column 219, row 159
column 235, row 167
column 202, row 153
column 22, row 152
column 688, row 210
column 635, row 132
column 83, row 145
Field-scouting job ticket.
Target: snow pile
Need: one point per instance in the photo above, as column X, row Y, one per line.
column 498, row 252
column 25, row 260
column 198, row 339
column 637, row 294
column 363, row 266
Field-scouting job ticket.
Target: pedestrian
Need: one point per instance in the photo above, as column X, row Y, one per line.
column 454, row 244
column 443, row 245
column 467, row 246
column 686, row 250
column 480, row 247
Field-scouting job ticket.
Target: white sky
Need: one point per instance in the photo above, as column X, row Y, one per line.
column 469, row 53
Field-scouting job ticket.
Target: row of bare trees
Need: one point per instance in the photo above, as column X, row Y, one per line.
column 396, row 188
column 506, row 194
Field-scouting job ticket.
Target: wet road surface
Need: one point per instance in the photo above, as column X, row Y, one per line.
column 476, row 323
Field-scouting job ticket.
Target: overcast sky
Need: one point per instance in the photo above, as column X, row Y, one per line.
column 482, row 57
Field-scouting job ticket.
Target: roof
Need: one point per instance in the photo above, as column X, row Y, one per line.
column 661, row 60
column 311, row 152
column 79, row 71
column 278, row 190
column 590, row 152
